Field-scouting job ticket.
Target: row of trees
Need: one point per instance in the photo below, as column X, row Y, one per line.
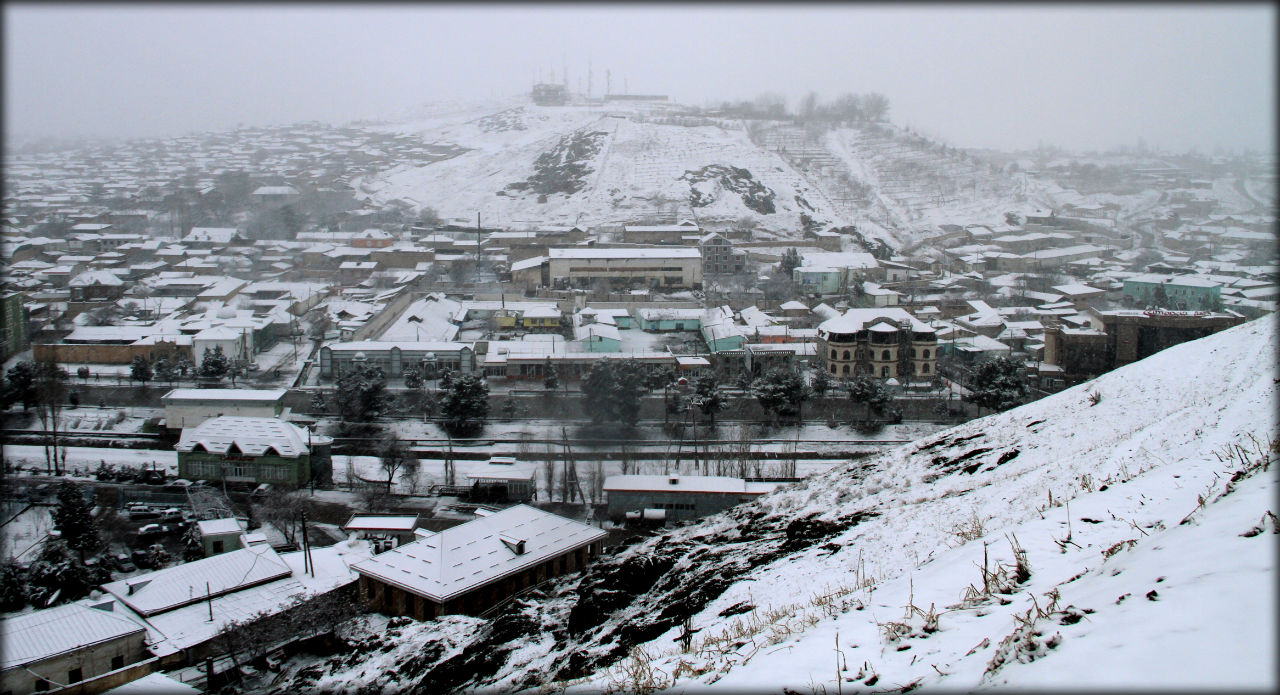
column 847, row 108
column 214, row 365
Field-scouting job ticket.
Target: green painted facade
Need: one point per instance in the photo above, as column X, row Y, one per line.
column 1193, row 296
column 277, row 470
column 812, row 281
column 13, row 325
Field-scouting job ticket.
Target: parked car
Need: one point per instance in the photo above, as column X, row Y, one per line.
column 141, row 558
column 150, row 477
column 143, row 514
column 171, row 514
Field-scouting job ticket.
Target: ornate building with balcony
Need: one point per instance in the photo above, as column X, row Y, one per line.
column 885, row 343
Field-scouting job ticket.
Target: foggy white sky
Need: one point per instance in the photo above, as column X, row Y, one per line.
column 1006, row 76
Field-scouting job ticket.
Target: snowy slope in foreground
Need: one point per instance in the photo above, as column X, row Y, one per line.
column 1119, row 592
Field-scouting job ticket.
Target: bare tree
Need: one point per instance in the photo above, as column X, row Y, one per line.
column 282, row 510
column 395, row 457
column 50, row 389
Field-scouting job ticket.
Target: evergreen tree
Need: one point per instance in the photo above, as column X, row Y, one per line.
column 552, row 380
column 412, row 378
column 20, row 385
column 73, row 518
column 363, row 399
column 790, row 261
column 612, row 391
column 465, row 404
column 820, row 383
column 164, row 370
column 13, row 587
column 869, row 392
column 59, row 577
column 141, row 370
column 781, row 393
column 998, row 384
column 214, row 363
column 709, row 400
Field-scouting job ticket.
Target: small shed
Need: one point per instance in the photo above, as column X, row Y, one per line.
column 502, row 479
column 219, row 536
column 385, row 531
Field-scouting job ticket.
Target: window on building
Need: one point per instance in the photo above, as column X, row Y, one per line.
column 833, row 354
column 846, row 354
column 217, row 546
column 42, row 685
column 75, row 675
column 924, row 368
column 833, row 369
column 117, row 662
column 884, row 355
column 926, row 354
column 884, row 371
column 846, row 369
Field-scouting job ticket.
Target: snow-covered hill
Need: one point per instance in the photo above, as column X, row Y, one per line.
column 629, row 163
column 1118, row 534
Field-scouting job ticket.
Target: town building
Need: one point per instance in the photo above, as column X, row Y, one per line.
column 395, row 357
column 657, row 267
column 78, row 645
column 190, row 407
column 1180, row 291
column 502, row 479
column 13, row 324
column 1116, row 338
column 877, row 342
column 832, row 272
column 719, row 257
column 253, row 450
column 677, row 497
column 474, row 566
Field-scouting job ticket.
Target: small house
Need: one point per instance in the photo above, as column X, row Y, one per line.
column 502, row 479
column 219, row 536
column 475, row 566
column 677, row 497
column 384, row 531
column 70, row 645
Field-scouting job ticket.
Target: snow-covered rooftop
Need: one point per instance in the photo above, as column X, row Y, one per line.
column 466, row 556
column 256, row 395
column 250, row 435
column 686, row 483
column 191, row 582
column 42, row 634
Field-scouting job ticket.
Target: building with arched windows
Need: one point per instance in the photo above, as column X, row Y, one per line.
column 885, row 342
column 253, row 450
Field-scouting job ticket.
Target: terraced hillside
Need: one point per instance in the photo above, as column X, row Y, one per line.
column 633, row 164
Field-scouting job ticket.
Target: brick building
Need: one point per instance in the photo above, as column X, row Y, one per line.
column 877, row 342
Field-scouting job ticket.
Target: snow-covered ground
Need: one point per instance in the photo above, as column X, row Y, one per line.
column 641, row 170
column 1145, row 522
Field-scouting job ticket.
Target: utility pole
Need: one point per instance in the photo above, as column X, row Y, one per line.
column 476, row 277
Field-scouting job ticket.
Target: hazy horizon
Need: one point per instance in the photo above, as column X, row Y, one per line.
column 1004, row 77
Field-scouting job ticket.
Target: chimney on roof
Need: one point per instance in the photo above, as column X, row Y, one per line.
column 137, row 584
column 515, row 545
